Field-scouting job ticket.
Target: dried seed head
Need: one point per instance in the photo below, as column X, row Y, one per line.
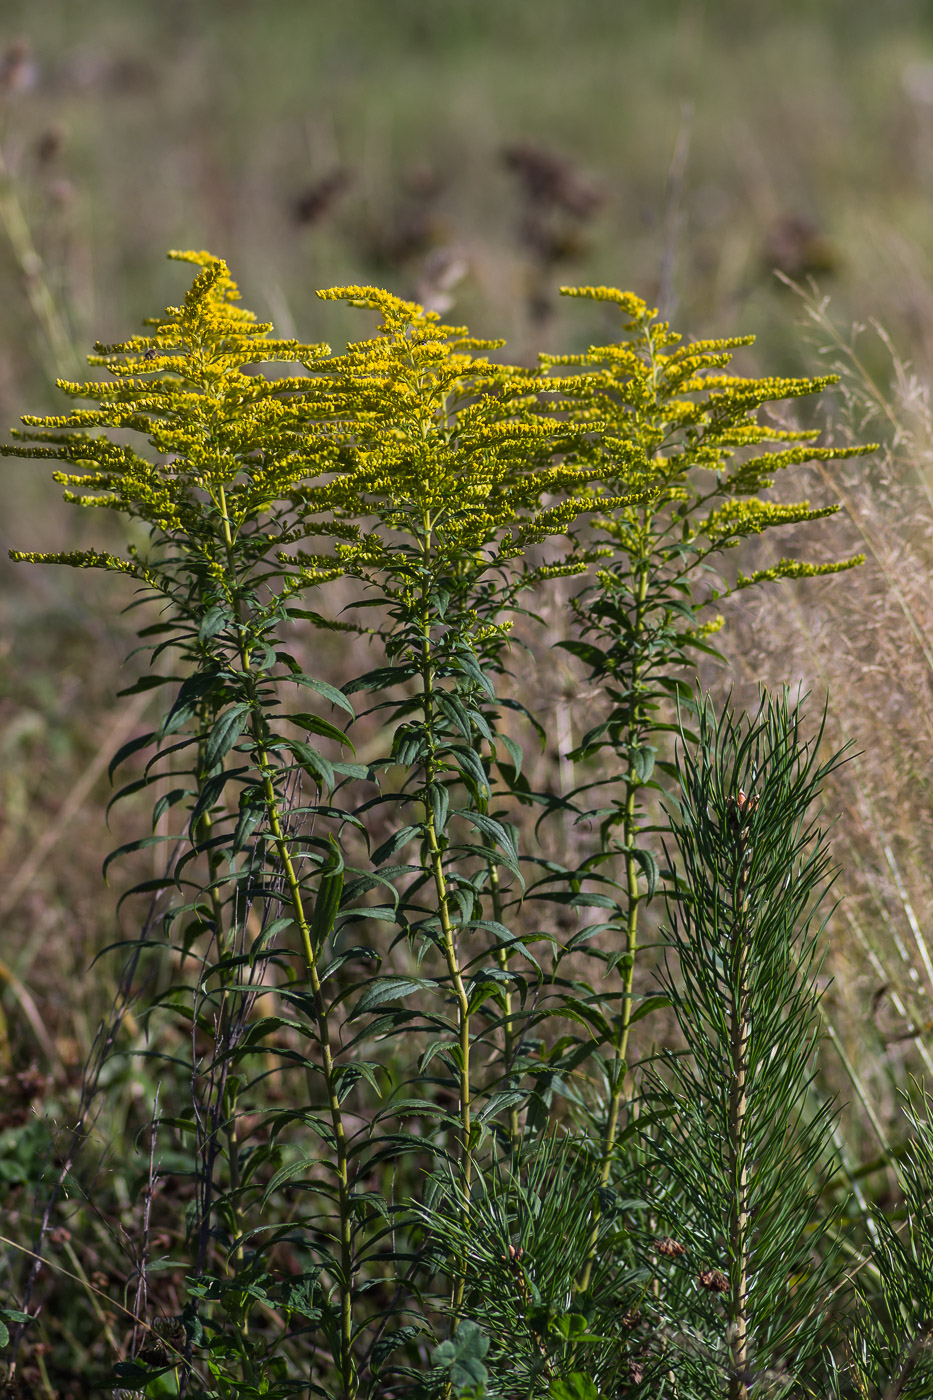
column 171, row 1328
column 714, row 1280
column 671, row 1249
column 154, row 1354
column 50, row 143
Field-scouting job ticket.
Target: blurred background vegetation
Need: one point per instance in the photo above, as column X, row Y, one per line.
column 475, row 155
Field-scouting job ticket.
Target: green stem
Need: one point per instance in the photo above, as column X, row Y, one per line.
column 502, row 959
column 619, row 1068
column 283, row 852
column 448, row 936
column 737, row 1145
column 330, row 1079
column 227, row 1108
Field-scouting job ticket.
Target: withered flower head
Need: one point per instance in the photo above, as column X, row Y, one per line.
column 671, row 1249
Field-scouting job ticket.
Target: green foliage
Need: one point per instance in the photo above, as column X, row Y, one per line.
column 686, row 439
column 740, row 1164
column 462, row 1358
column 576, row 1386
column 890, row 1342
column 520, row 1232
column 345, row 995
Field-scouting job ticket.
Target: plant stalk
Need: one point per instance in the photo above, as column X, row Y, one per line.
column 448, row 939
column 737, row 1144
column 502, row 960
column 619, row 1071
column 273, row 816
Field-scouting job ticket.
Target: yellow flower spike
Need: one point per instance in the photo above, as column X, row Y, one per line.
column 220, row 435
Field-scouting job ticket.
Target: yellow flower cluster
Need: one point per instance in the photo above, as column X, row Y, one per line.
column 225, row 443
column 664, row 423
column 410, row 449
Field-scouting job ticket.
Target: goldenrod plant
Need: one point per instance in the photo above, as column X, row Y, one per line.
column 695, row 446
column 252, row 875
column 446, row 490
column 350, row 993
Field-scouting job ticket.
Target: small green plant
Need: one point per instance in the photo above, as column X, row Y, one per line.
column 461, row 1356
column 740, row 1165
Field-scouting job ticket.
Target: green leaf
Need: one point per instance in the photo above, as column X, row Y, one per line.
column 505, row 937
column 353, row 770
column 213, row 621
column 470, row 667
column 505, row 1098
column 150, row 682
column 586, row 652
column 227, row 729
column 394, row 843
column 649, row 868
column 167, row 800
column 380, row 679
column 514, row 750
column 649, row 1005
column 130, row 847
column 391, row 1342
column 293, row 1171
column 313, row 763
column 211, row 790
column 251, row 815
column 130, row 747
column 495, row 831
column 313, row 724
column 385, row 989
column 330, row 889
column 471, row 768
column 10, row 1315
column 329, row 692
column 482, row 988
column 454, row 711
column 576, row 1386
column 440, row 802
column 643, row 761
column 462, row 1354
column 409, row 745
column 193, row 690
column 348, row 1076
